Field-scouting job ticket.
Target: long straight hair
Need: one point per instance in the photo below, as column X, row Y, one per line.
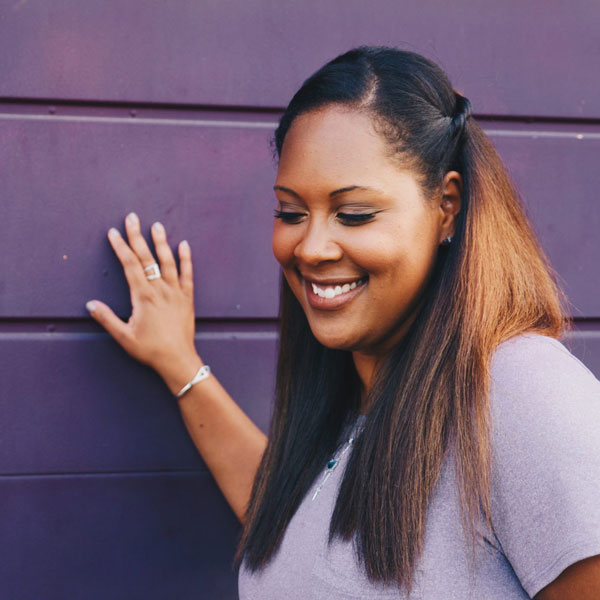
column 431, row 394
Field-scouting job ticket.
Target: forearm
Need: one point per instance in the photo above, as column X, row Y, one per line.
column 230, row 444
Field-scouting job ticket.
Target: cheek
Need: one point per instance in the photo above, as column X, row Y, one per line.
column 284, row 243
column 397, row 261
column 377, row 252
column 281, row 245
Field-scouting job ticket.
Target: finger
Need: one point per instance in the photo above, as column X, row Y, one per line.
column 131, row 263
column 107, row 318
column 168, row 268
column 136, row 240
column 186, row 277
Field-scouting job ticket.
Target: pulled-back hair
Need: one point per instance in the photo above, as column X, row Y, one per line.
column 431, row 394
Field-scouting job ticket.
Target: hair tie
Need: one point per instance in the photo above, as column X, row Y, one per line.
column 462, row 111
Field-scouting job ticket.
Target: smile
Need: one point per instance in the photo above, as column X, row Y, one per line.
column 337, row 290
column 333, row 296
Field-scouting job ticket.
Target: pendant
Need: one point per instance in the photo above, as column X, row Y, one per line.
column 331, row 465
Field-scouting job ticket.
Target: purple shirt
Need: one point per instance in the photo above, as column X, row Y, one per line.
column 545, row 498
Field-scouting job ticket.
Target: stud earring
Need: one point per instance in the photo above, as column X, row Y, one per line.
column 447, row 241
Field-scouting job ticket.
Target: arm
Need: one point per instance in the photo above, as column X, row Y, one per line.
column 580, row 581
column 230, row 444
column 160, row 334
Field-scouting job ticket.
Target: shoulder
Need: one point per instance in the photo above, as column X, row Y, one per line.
column 533, row 357
column 532, row 372
column 545, row 408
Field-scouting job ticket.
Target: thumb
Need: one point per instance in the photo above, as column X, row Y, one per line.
column 106, row 317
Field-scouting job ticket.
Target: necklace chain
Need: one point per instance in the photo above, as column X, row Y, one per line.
column 333, row 463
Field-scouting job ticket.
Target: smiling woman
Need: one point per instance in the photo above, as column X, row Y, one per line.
column 386, row 183
column 378, row 235
column 431, row 437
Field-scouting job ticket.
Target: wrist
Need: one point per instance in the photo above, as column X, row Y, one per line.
column 176, row 375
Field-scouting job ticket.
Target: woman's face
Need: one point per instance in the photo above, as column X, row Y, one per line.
column 356, row 239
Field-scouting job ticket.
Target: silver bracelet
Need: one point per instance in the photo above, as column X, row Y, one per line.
column 203, row 373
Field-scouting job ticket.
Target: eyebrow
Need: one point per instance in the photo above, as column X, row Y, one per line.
column 343, row 190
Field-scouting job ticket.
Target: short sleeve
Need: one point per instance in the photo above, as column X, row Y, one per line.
column 545, row 458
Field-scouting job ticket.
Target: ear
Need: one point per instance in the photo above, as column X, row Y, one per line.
column 449, row 203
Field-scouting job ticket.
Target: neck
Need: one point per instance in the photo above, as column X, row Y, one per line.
column 366, row 367
column 367, row 363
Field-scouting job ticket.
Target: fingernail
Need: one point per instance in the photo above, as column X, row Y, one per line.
column 91, row 305
column 113, row 233
column 132, row 218
column 158, row 227
column 185, row 245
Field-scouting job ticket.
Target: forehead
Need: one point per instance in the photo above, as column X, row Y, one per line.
column 336, row 146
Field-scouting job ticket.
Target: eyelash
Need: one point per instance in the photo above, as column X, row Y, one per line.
column 292, row 218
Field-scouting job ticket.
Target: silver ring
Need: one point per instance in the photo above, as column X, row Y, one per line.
column 155, row 271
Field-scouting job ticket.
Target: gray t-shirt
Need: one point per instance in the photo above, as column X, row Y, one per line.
column 545, row 498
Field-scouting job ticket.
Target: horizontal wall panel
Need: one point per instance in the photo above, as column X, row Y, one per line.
column 65, row 183
column 140, row 537
column 557, row 175
column 512, row 57
column 67, row 180
column 79, row 403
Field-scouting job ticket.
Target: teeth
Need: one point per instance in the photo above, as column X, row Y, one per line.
column 331, row 292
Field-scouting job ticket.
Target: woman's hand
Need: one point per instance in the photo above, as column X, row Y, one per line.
column 160, row 330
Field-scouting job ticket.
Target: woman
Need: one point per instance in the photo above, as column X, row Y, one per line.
column 418, row 353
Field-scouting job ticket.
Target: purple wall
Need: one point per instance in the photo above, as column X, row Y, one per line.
column 109, row 106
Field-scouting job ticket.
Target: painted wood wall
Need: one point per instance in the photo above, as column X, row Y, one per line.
column 166, row 108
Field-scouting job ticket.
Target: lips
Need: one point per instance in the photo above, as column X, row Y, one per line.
column 333, row 294
column 333, row 290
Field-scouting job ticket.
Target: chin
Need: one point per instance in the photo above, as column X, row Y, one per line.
column 334, row 342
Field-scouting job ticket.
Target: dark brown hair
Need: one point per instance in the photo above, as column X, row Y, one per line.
column 431, row 394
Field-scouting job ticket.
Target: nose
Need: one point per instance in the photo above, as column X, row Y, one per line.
column 317, row 245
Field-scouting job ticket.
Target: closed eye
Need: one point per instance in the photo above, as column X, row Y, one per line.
column 355, row 218
column 288, row 217
column 346, row 218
